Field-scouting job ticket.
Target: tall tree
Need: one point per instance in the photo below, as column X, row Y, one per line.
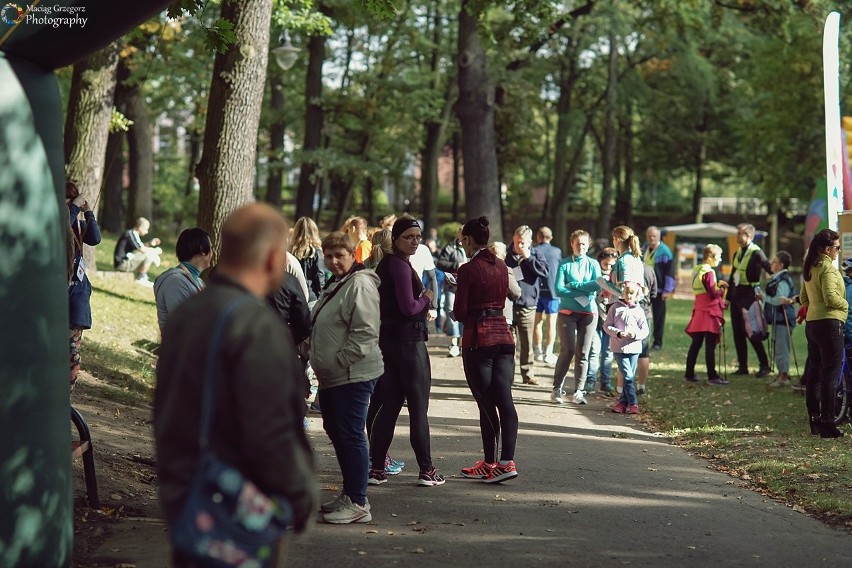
column 140, row 158
column 313, row 127
column 610, row 140
column 226, row 171
column 87, row 122
column 475, row 109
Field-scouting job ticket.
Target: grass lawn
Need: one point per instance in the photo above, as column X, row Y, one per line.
column 757, row 434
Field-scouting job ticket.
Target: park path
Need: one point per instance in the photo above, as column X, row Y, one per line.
column 595, row 489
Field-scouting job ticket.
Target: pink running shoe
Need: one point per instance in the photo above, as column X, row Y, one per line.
column 479, row 470
column 618, row 408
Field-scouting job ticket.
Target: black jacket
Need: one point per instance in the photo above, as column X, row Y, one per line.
column 289, row 302
column 259, row 406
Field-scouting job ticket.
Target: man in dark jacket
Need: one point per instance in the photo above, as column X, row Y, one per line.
column 258, row 410
column 748, row 263
column 658, row 255
column 529, row 266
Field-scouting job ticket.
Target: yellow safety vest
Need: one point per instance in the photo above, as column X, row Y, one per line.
column 742, row 259
column 698, row 278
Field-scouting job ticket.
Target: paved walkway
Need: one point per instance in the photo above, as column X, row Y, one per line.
column 594, row 489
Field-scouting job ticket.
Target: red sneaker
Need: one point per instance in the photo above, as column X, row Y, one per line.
column 618, row 407
column 479, row 470
column 633, row 409
column 501, row 472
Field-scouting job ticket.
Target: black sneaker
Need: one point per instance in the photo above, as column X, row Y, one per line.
column 742, row 371
column 377, row 477
column 762, row 372
column 640, row 391
column 430, row 478
column 691, row 378
column 656, row 347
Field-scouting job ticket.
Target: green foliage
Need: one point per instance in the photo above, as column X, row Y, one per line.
column 385, row 9
column 220, row 35
column 448, row 232
column 118, row 122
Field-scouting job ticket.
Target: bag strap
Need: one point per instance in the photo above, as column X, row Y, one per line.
column 211, row 370
column 331, row 295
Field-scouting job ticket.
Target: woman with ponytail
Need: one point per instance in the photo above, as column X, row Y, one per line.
column 628, row 267
column 488, row 352
column 824, row 295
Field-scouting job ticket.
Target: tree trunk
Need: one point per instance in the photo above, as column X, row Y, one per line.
column 475, row 109
column 276, row 140
column 700, row 157
column 141, row 159
column 313, row 127
column 609, row 142
column 562, row 183
column 563, row 188
column 189, row 185
column 624, row 203
column 226, row 171
column 456, row 176
column 90, row 103
column 110, row 217
column 434, row 140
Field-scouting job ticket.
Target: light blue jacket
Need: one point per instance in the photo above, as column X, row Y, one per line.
column 575, row 283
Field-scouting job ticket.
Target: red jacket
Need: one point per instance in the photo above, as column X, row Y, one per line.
column 483, row 284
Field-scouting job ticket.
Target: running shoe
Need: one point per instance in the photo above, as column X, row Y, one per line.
column 717, row 381
column 335, row 504
column 393, row 467
column 479, row 470
column 579, row 398
column 430, row 478
column 632, row 409
column 501, row 472
column 377, row 477
column 556, row 396
column 618, row 408
column 349, row 512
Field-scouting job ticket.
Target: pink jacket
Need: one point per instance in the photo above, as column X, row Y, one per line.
column 628, row 318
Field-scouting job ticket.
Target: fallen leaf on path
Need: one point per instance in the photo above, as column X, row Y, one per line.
column 418, row 551
column 653, row 469
column 372, row 531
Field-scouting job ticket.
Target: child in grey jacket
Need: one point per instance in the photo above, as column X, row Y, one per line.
column 627, row 327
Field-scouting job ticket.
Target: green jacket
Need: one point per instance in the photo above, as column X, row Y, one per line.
column 824, row 294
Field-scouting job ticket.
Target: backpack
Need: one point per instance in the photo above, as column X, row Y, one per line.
column 755, row 322
column 776, row 314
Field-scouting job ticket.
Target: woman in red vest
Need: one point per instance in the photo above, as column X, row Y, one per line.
column 488, row 352
column 707, row 316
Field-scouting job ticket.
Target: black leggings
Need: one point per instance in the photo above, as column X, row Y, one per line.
column 408, row 375
column 489, row 372
column 825, row 358
column 709, row 340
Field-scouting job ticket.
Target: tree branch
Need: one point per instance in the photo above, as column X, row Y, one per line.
column 583, row 10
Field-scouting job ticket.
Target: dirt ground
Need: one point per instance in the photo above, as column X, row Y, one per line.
column 124, row 462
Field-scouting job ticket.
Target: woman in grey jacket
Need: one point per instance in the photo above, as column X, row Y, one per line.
column 346, row 359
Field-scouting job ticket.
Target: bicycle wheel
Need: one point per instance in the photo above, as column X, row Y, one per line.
column 843, row 394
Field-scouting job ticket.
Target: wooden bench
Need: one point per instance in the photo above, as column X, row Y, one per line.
column 82, row 448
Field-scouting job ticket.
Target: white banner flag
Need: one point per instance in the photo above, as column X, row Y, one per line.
column 833, row 137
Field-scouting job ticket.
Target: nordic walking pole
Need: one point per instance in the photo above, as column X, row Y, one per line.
column 724, row 352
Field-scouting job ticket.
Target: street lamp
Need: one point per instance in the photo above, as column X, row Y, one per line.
column 285, row 54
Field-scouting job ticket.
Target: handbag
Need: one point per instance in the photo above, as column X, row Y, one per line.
column 226, row 519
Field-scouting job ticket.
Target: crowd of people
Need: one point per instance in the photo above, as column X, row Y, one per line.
column 356, row 308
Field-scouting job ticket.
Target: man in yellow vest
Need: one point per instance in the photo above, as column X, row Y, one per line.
column 745, row 275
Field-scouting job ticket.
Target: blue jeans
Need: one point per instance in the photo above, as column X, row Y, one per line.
column 600, row 359
column 452, row 327
column 344, row 417
column 627, row 365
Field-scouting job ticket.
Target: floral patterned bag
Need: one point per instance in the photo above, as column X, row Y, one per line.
column 226, row 520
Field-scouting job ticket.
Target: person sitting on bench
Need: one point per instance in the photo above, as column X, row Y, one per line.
column 133, row 255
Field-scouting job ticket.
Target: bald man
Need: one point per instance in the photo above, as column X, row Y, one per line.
column 257, row 422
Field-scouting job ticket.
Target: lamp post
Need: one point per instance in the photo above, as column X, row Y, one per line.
column 285, row 54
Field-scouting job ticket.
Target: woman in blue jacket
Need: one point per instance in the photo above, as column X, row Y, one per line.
column 79, row 287
column 578, row 316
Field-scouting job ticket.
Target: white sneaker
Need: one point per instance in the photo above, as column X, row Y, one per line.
column 556, row 396
column 335, row 504
column 454, row 351
column 550, row 359
column 539, row 358
column 579, row 398
column 349, row 513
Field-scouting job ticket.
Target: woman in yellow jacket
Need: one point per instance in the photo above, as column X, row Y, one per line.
column 825, row 297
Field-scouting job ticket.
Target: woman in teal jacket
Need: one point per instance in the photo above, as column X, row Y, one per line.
column 578, row 316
